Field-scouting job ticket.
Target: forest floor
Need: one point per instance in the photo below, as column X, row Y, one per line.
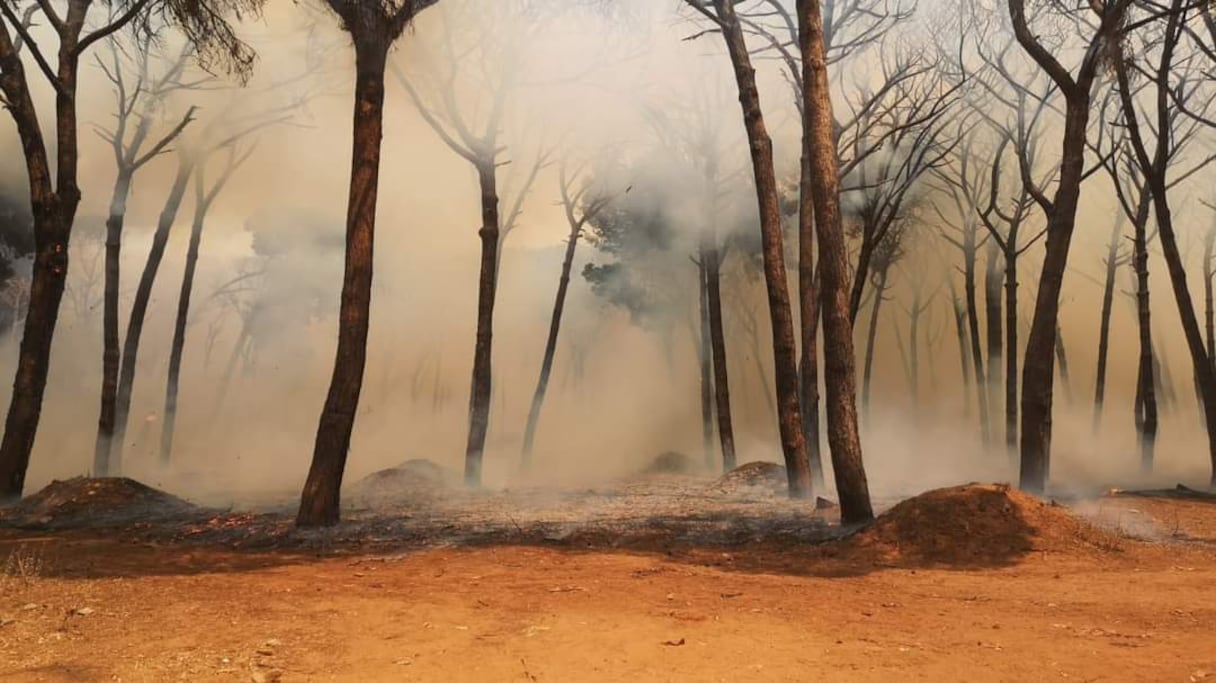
column 974, row 583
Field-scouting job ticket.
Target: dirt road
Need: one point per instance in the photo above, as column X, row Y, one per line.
column 78, row 609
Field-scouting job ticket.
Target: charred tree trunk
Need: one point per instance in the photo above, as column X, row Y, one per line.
column 706, row 362
column 54, row 206
column 973, row 328
column 202, row 205
column 1209, row 311
column 1108, row 299
column 840, row 375
column 808, row 308
column 479, row 398
column 320, row 500
column 880, row 290
column 1011, row 341
column 139, row 311
column 993, row 281
column 960, row 327
column 785, row 354
column 1146, row 385
column 1039, row 373
column 710, row 255
column 546, row 366
column 865, row 256
column 110, row 354
column 1062, row 365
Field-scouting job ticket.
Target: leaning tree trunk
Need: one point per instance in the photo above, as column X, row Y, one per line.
column 993, row 281
column 785, row 353
column 479, row 396
column 706, row 362
column 1146, row 384
column 54, row 208
column 320, row 500
column 110, row 354
column 710, row 255
column 139, row 311
column 1038, row 373
column 840, row 373
column 880, row 288
column 865, row 256
column 546, row 366
column 973, row 327
column 178, row 347
column 1108, row 299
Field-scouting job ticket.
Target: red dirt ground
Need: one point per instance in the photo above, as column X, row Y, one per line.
column 1031, row 594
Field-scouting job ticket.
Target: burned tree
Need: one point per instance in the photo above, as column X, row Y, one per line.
column 205, row 195
column 55, row 195
column 1161, row 65
column 580, row 207
column 793, row 442
column 480, row 143
column 840, row 371
column 373, row 28
column 139, row 98
column 1076, row 87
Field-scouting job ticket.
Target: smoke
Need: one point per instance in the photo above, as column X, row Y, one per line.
column 621, row 96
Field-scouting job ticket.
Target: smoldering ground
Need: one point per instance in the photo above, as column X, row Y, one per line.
column 260, row 350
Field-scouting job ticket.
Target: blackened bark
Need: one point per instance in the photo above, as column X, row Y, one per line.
column 479, row 396
column 865, row 255
column 706, row 362
column 1209, row 311
column 110, row 354
column 880, row 291
column 177, row 350
column 1011, row 340
column 1146, row 385
column 973, row 329
column 994, row 278
column 320, row 500
column 840, row 375
column 54, row 205
column 785, row 355
column 1039, row 372
column 139, row 311
column 960, row 327
column 1154, row 170
column 808, row 308
column 710, row 255
column 555, row 323
column 1108, row 298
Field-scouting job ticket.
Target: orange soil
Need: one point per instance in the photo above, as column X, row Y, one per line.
column 75, row 607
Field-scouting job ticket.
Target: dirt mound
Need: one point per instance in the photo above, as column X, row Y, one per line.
column 412, row 480
column 671, row 462
column 765, row 478
column 976, row 524
column 88, row 502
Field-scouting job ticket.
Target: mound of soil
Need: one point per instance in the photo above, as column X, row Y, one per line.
column 976, row 525
column 671, row 462
column 412, row 480
column 89, row 502
column 765, row 478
